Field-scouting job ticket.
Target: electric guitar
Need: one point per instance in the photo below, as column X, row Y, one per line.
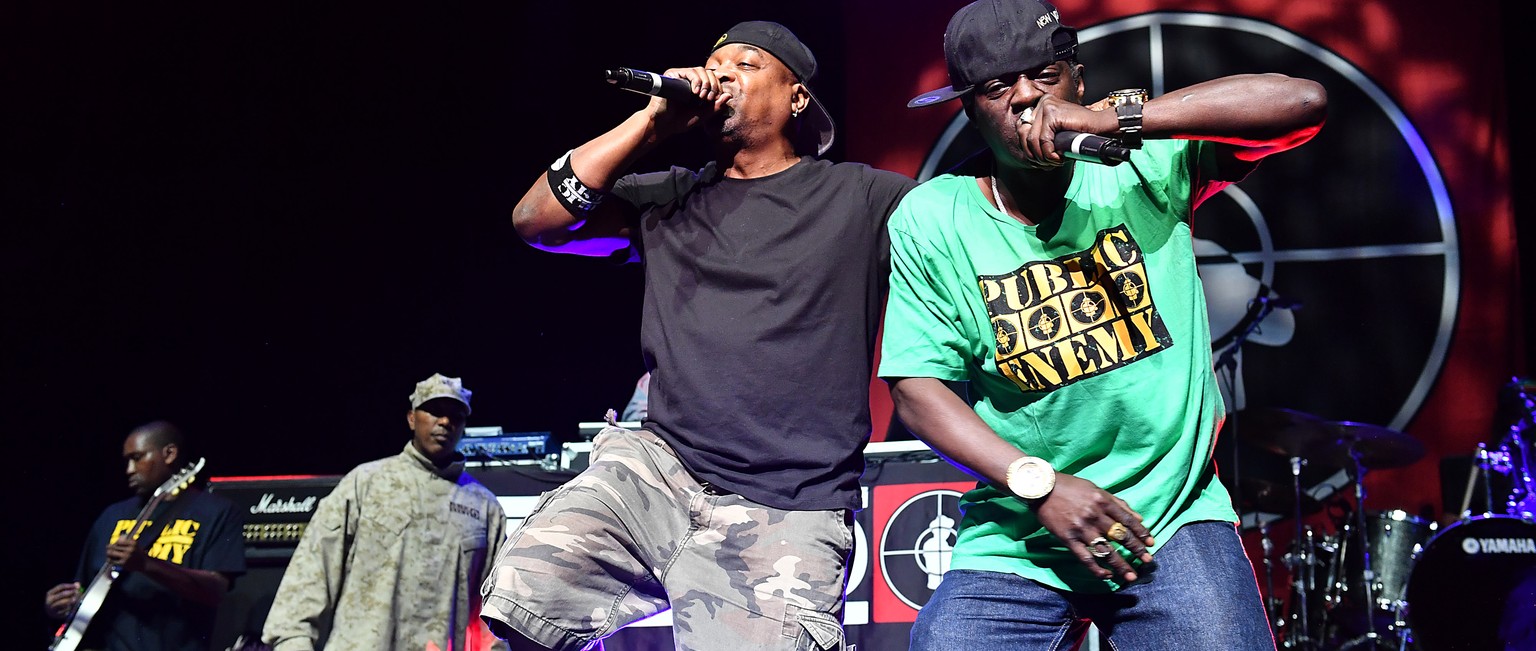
column 73, row 631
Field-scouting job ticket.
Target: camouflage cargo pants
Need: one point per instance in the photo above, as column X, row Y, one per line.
column 635, row 534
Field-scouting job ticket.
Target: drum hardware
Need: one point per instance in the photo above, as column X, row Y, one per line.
column 1263, row 495
column 1509, row 462
column 1345, row 589
column 1361, row 446
column 1370, row 447
column 1303, row 534
column 1515, row 456
column 1270, row 444
column 1391, row 543
column 1481, row 469
column 1299, row 628
column 1354, row 571
column 1487, row 465
column 1271, row 603
column 1284, row 432
column 1262, row 441
column 1365, row 554
column 1388, row 579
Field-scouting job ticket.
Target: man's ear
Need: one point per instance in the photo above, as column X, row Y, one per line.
column 171, row 452
column 801, row 100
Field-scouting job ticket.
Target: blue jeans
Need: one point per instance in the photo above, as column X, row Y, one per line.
column 1202, row 595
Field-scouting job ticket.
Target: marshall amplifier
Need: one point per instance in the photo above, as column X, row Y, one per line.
column 276, row 508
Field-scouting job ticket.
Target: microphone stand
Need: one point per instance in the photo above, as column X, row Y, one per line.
column 1229, row 346
column 1226, row 361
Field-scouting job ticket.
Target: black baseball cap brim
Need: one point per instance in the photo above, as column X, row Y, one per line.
column 989, row 38
column 938, row 96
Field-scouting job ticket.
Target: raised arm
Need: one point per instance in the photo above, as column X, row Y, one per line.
column 1259, row 114
column 590, row 170
column 1256, row 115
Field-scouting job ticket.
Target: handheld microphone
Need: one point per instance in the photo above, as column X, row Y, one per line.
column 650, row 83
column 1091, row 148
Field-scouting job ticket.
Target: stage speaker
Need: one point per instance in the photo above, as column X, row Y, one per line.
column 245, row 607
column 278, row 508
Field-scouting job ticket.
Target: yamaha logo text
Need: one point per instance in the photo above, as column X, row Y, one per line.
column 1499, row 545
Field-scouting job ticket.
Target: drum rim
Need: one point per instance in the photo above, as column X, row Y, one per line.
column 1400, row 515
column 1476, row 518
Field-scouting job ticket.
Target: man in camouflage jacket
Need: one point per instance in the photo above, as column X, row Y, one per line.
column 394, row 553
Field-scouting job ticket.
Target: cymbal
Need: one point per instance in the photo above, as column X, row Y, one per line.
column 1255, row 494
column 1376, row 447
column 1285, row 432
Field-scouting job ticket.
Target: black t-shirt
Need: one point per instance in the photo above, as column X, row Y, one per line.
column 762, row 305
column 197, row 530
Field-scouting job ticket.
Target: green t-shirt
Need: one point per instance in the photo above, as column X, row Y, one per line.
column 1084, row 340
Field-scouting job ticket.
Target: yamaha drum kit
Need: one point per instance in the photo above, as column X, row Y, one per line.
column 1387, row 579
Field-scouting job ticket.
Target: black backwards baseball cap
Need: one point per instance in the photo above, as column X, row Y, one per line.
column 991, row 38
column 777, row 40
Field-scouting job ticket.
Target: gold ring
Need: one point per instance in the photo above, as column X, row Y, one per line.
column 1117, row 532
column 1098, row 551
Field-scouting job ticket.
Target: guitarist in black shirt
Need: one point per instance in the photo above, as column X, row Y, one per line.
column 172, row 569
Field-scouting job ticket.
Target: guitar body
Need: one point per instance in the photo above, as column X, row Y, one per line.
column 73, row 632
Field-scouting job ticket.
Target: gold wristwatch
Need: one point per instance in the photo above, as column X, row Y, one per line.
column 1030, row 477
column 1127, row 103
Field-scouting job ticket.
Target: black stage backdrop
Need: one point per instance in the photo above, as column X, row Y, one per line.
column 266, row 221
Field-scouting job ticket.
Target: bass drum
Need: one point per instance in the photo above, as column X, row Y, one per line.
column 1474, row 587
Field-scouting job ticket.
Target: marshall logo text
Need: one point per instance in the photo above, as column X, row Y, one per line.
column 270, row 504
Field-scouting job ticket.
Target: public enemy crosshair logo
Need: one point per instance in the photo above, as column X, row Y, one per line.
column 916, row 544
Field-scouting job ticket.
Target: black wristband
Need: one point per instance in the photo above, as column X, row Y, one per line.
column 1130, row 124
column 572, row 193
column 1127, row 104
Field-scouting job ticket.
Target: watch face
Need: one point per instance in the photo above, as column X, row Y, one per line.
column 1031, row 479
column 1128, row 96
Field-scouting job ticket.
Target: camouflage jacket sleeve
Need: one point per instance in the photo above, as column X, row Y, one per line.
column 306, row 597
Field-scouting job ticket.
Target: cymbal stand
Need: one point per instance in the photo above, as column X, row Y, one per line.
column 1481, row 471
column 1520, row 498
column 1484, row 463
column 1271, row 603
column 1368, row 575
column 1301, row 572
